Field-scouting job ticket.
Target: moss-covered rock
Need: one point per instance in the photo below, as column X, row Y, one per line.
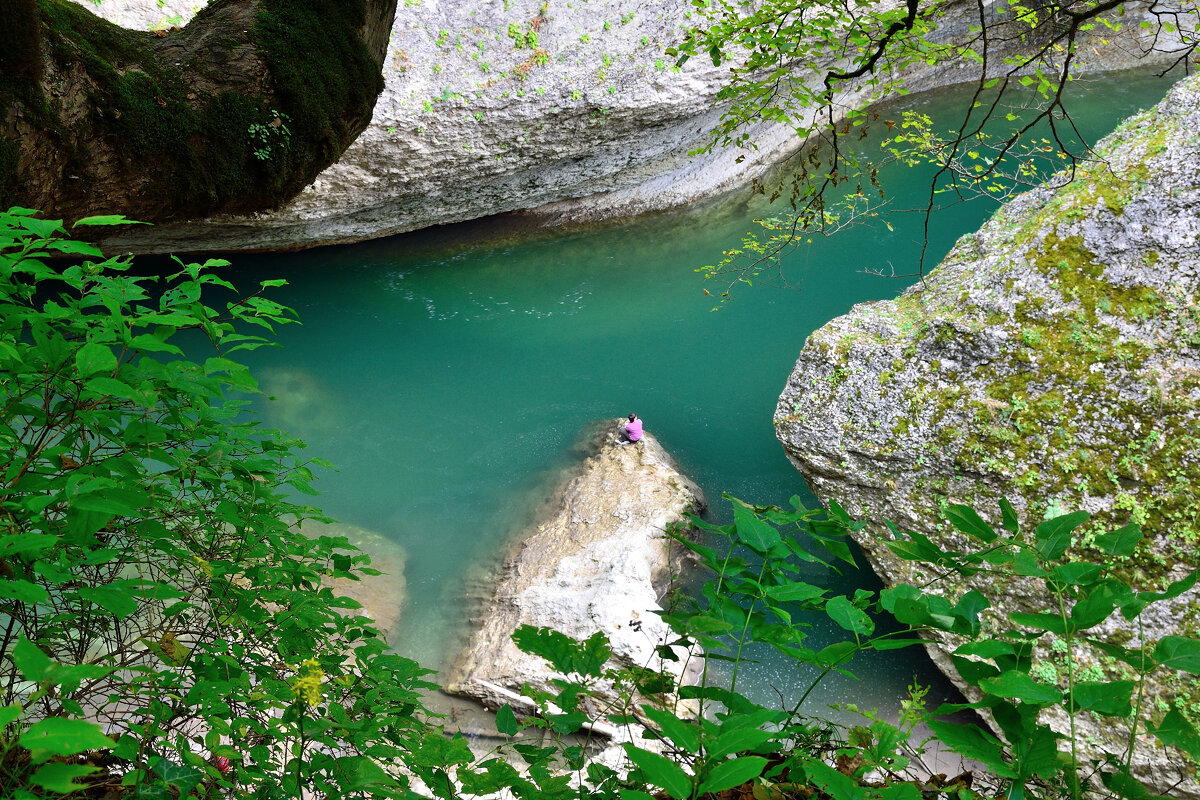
column 236, row 112
column 1053, row 359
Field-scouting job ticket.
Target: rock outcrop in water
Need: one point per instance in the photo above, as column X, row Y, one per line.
column 599, row 563
column 568, row 110
column 1054, row 359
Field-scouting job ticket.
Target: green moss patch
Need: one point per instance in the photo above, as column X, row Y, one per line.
column 229, row 152
column 320, row 67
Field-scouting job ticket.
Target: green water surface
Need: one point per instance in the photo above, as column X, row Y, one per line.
column 448, row 374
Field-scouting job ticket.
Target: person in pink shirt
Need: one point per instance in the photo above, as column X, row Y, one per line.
column 633, row 428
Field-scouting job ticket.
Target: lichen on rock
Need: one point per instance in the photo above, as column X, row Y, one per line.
column 1053, row 358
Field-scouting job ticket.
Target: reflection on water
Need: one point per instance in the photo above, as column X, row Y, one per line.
column 447, row 374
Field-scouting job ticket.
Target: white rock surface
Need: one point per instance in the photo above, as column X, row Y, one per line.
column 602, row 128
column 599, row 563
column 1052, row 359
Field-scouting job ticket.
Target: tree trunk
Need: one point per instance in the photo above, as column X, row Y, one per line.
column 234, row 113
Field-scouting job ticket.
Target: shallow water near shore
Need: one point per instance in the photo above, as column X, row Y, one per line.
column 447, row 374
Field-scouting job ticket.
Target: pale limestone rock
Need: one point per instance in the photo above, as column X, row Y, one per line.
column 1054, row 359
column 599, row 563
column 603, row 128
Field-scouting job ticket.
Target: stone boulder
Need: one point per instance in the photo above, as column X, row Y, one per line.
column 600, row 562
column 1053, row 358
column 564, row 111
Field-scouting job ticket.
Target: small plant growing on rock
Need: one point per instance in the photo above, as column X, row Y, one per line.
column 269, row 140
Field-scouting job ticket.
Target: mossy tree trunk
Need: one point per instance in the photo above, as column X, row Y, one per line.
column 234, row 113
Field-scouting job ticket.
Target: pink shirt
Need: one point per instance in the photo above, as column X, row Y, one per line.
column 634, row 430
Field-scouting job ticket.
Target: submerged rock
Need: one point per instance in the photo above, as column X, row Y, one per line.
column 600, row 562
column 1054, row 359
column 381, row 597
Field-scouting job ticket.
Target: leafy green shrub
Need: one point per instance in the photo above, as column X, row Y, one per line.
column 755, row 599
column 159, row 601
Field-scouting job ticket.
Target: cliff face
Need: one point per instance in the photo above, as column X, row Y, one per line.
column 1053, row 358
column 567, row 109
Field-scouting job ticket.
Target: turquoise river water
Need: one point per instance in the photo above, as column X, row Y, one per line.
column 448, row 373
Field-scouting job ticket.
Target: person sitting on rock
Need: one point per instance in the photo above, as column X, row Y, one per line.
column 632, row 430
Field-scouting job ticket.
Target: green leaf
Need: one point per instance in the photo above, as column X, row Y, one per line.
column 1107, row 698
column 1018, row 685
column 181, row 776
column 108, row 219
column 634, row 794
column 967, row 520
column 565, row 654
column 1054, row 534
column 29, row 658
column 660, row 771
column 1175, row 588
column 1077, row 573
column 895, row 644
column 968, row 608
column 1026, row 563
column 836, row 654
column 60, row 778
column 94, row 358
column 971, row 741
column 900, row 791
column 737, row 740
column 106, row 386
column 149, row 343
column 1121, row 542
column 753, row 531
column 23, row 591
column 45, row 228
column 567, row 724
column 1093, row 609
column 117, row 600
column 1176, row 731
column 1039, row 754
column 1137, row 659
column 986, row 648
column 1125, row 785
column 794, row 592
column 61, row 736
column 75, row 248
column 506, row 721
column 1042, row 622
column 684, row 735
column 9, row 714
column 1008, row 517
column 1178, row 652
column 728, row 774
column 845, row 614
column 111, row 500
column 834, row 783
